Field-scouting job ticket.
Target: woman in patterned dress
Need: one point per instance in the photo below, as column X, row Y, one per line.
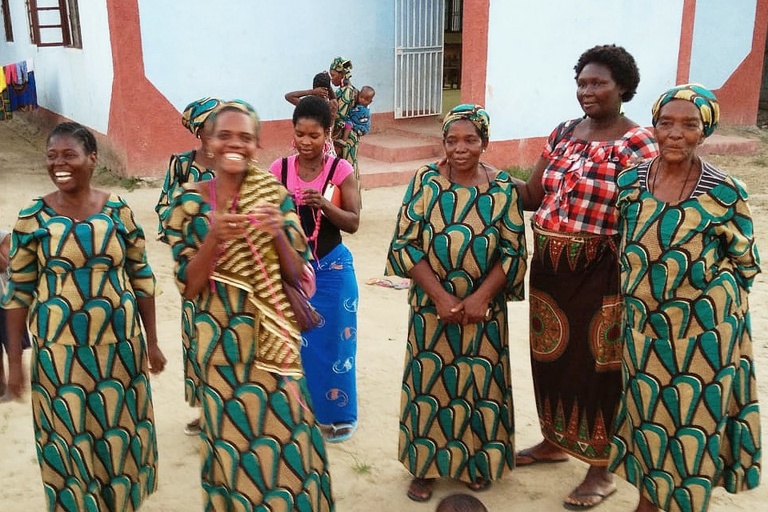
column 328, row 352
column 460, row 238
column 689, row 417
column 233, row 238
column 346, row 95
column 80, row 277
column 190, row 166
column 575, row 307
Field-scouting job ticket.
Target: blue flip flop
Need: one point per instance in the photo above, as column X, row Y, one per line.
column 341, row 432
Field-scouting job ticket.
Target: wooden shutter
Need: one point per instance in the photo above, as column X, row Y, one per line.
column 48, row 23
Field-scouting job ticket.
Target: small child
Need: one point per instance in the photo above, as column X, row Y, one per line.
column 460, row 503
column 359, row 119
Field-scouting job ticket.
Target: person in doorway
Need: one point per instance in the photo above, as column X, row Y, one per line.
column 188, row 167
column 688, row 419
column 460, row 238
column 329, row 351
column 575, row 303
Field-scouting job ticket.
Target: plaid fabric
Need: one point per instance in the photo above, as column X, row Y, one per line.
column 580, row 179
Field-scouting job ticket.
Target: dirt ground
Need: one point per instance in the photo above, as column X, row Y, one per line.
column 365, row 471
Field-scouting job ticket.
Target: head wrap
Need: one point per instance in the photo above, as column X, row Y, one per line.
column 697, row 94
column 241, row 105
column 474, row 113
column 343, row 65
column 197, row 112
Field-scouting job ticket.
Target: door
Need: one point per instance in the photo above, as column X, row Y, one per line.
column 418, row 57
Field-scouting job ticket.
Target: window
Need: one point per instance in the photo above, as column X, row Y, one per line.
column 54, row 23
column 7, row 20
column 453, row 15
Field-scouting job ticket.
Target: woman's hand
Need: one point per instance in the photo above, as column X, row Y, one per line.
column 268, row 218
column 449, row 310
column 227, row 226
column 313, row 198
column 156, row 358
column 473, row 310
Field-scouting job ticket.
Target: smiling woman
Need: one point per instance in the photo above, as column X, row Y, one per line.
column 78, row 253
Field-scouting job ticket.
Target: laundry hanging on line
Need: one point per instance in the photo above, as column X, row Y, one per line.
column 17, row 88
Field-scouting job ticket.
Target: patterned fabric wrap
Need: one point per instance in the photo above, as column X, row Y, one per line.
column 689, row 418
column 240, row 105
column 196, row 113
column 342, row 65
column 474, row 113
column 703, row 98
column 580, row 178
column 229, row 330
column 456, row 416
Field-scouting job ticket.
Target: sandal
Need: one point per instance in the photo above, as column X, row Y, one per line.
column 341, row 432
column 482, row 484
column 421, row 489
column 193, row 427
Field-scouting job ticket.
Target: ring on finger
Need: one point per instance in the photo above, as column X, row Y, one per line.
column 232, row 225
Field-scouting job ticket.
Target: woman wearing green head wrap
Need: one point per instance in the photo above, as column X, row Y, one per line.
column 346, row 96
column 460, row 238
column 190, row 166
column 688, row 418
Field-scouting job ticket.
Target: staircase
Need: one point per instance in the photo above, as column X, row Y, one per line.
column 390, row 156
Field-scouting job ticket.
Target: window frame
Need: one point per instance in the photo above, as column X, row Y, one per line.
column 7, row 22
column 68, row 12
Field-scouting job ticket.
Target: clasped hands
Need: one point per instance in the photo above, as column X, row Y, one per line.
column 470, row 310
column 226, row 226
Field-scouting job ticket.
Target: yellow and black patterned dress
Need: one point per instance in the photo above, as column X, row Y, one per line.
column 262, row 449
column 688, row 419
column 456, row 416
column 91, row 398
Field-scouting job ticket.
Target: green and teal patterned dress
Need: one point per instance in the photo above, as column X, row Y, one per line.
column 456, row 416
column 91, row 398
column 688, row 418
column 346, row 95
column 182, row 169
column 261, row 447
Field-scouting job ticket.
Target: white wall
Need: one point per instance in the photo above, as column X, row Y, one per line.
column 532, row 50
column 74, row 83
column 258, row 50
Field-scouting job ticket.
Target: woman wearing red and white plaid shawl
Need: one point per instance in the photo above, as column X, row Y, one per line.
column 575, row 303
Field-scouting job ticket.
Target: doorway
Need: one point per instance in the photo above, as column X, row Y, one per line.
column 452, row 54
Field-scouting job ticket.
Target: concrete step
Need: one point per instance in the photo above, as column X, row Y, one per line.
column 376, row 173
column 396, row 146
column 717, row 144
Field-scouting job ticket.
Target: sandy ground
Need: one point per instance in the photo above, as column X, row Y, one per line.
column 365, row 471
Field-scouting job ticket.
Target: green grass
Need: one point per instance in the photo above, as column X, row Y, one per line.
column 360, row 467
column 106, row 177
column 519, row 172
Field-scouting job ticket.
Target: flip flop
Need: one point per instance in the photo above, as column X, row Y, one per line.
column 583, row 505
column 341, row 432
column 533, row 459
column 421, row 489
column 482, row 484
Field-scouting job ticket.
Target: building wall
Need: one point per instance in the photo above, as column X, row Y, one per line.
column 73, row 83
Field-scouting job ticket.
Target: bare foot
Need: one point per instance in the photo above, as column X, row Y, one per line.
column 540, row 453
column 646, row 505
column 593, row 490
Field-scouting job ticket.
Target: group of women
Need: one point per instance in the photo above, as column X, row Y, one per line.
column 639, row 323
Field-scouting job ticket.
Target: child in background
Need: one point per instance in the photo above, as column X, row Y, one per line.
column 359, row 120
column 460, row 503
column 5, row 250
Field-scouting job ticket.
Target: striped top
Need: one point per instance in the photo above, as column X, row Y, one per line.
column 709, row 178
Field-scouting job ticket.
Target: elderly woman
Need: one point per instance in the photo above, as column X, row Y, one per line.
column 575, row 307
column 190, row 166
column 688, row 418
column 460, row 238
column 80, row 277
column 235, row 238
